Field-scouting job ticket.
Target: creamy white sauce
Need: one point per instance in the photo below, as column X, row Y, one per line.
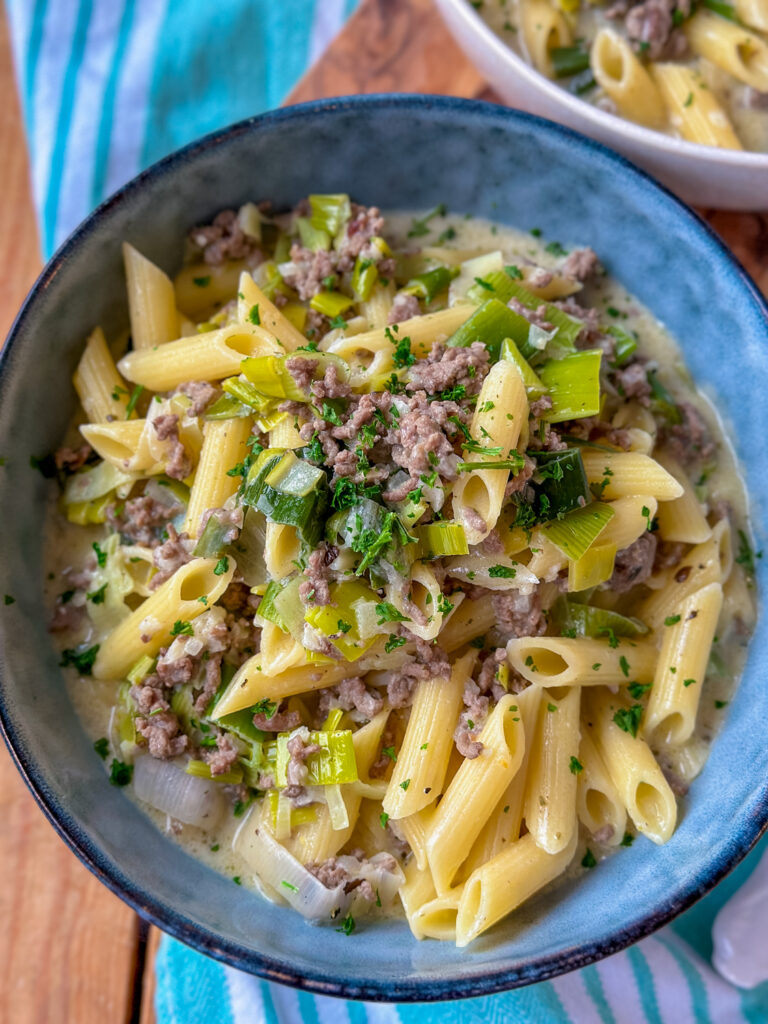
column 68, row 546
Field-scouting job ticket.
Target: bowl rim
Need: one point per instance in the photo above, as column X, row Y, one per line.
column 613, row 123
column 754, row 812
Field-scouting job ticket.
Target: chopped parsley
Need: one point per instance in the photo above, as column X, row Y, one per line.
column 745, row 556
column 624, row 666
column 402, row 356
column 551, row 707
column 645, row 512
column 101, row 556
column 503, row 572
column 575, row 764
column 80, row 658
column 612, row 638
column 555, row 249
column 420, row 226
column 201, row 282
column 688, row 100
column 484, row 284
column 478, row 642
column 343, row 627
column 394, row 385
column 120, row 774
column 588, row 860
column 330, row 415
column 386, row 612
column 390, row 753
column 12, row 600
column 98, row 596
column 671, row 620
column 289, row 885
column 182, row 628
column 627, row 840
column 347, row 925
column 444, row 605
column 721, row 704
column 628, row 719
column 637, row 690
column 222, row 566
column 265, row 707
column 254, row 316
column 393, row 642
column 383, row 819
column 688, row 682
column 447, row 236
column 405, row 784
column 344, row 494
column 135, row 395
column 514, row 272
column 101, row 747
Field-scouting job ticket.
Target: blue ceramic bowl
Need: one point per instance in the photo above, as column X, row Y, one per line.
column 406, row 152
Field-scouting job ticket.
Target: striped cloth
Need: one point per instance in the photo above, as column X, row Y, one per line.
column 108, row 87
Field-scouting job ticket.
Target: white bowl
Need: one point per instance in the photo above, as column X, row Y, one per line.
column 725, row 179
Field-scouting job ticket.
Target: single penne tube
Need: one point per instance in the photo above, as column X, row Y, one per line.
column 705, row 563
column 753, row 13
column 419, row 772
column 502, row 884
column 473, row 793
column 282, row 549
column 253, row 307
column 102, row 391
column 550, row 788
column 316, row 841
column 632, row 516
column 729, row 46
column 285, row 435
column 682, row 520
column 436, row 918
column 471, row 619
column 629, row 473
column 121, row 443
column 423, row 331
column 500, row 414
column 693, row 109
column 151, row 626
column 582, row 661
column 224, row 446
column 251, row 683
column 414, row 830
column 280, row 651
column 639, row 781
column 503, row 827
column 543, row 28
column 685, row 648
column 208, row 356
column 417, row 889
column 623, row 78
column 151, row 301
column 202, row 288
column 598, row 805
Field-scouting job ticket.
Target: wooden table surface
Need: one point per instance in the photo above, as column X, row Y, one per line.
column 70, row 950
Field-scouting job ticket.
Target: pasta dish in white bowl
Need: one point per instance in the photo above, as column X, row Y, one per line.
column 681, row 89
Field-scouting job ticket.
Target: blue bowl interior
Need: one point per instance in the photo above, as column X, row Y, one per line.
column 396, row 152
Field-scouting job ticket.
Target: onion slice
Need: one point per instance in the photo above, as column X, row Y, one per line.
column 165, row 786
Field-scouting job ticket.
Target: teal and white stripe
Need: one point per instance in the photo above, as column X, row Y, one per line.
column 110, row 86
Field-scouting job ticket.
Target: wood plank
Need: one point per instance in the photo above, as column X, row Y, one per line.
column 67, row 945
column 391, row 46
